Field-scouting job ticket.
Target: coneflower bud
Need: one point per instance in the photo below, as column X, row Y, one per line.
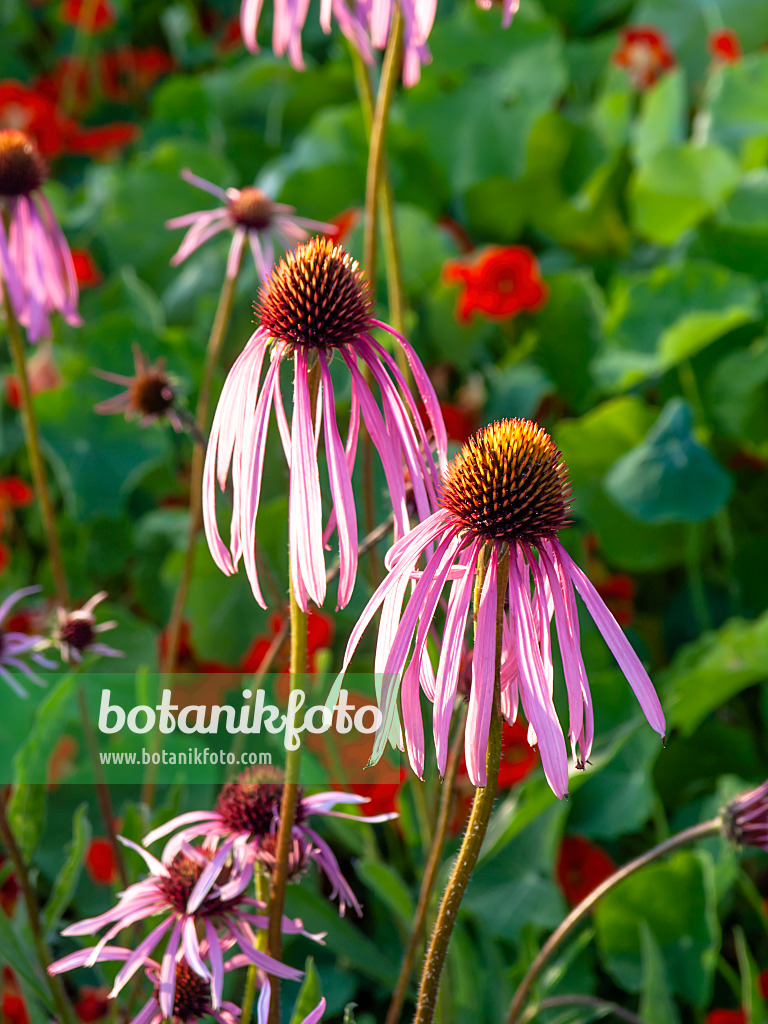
column 745, row 819
column 22, row 169
column 509, row 483
column 316, row 297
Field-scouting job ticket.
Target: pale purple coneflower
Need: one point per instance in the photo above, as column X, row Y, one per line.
column 148, row 395
column 190, row 1000
column 262, row 1008
column 288, row 21
column 77, row 632
column 15, row 646
column 215, row 912
column 248, row 813
column 745, row 819
column 36, row 268
column 315, row 306
column 251, row 215
column 506, row 494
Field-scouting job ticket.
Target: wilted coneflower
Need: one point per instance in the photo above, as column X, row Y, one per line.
column 148, row 395
column 505, row 494
column 36, row 267
column 745, row 819
column 191, row 1000
column 77, row 632
column 250, row 214
column 194, row 927
column 14, row 646
column 316, row 306
column 248, row 814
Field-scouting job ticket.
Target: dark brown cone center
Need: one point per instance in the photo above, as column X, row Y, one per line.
column 252, row 208
column 191, row 1000
column 22, row 169
column 78, row 633
column 152, row 394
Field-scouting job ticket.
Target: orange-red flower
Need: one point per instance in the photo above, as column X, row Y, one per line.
column 500, row 283
column 344, row 223
column 87, row 273
column 89, row 16
column 14, row 493
column 725, row 46
column 31, row 112
column 581, row 867
column 61, row 761
column 100, row 862
column 104, row 141
column 129, row 71
column 645, row 53
column 320, row 629
column 13, row 1008
column 719, row 1016
column 92, row 1003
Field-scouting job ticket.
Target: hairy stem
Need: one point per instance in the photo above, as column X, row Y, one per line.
column 287, row 807
column 36, row 462
column 473, row 837
column 579, row 912
column 54, row 983
column 430, row 876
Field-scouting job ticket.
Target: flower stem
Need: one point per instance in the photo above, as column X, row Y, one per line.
column 288, row 806
column 37, row 465
column 474, row 835
column 580, row 911
column 213, row 352
column 430, row 875
column 58, row 994
column 252, row 977
column 102, row 788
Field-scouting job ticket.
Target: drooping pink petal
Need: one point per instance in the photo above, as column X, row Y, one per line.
column 305, row 507
column 483, row 670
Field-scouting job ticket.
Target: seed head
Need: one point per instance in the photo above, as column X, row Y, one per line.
column 252, row 802
column 252, row 208
column 78, row 632
column 192, row 996
column 22, row 169
column 315, row 296
column 151, row 393
column 509, row 483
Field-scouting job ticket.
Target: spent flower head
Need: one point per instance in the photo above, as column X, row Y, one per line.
column 36, row 270
column 315, row 308
column 503, row 500
column 77, row 632
column 149, row 394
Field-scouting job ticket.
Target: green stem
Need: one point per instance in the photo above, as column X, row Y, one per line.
column 102, row 788
column 477, row 826
column 561, row 933
column 212, row 355
column 430, row 877
column 288, row 806
column 252, row 977
column 36, row 462
column 54, row 983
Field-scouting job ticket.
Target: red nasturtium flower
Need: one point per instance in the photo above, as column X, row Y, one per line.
column 92, row 1003
column 14, row 493
column 28, row 111
column 88, row 15
column 13, row 1008
column 100, row 862
column 320, row 628
column 500, row 283
column 87, row 273
column 581, row 867
column 720, row 1016
column 645, row 53
column 129, row 71
column 725, row 46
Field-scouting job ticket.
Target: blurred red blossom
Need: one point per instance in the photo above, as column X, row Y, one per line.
column 88, row 15
column 131, row 70
column 320, row 629
column 581, row 867
column 9, row 892
column 61, row 761
column 100, row 862
column 645, row 54
column 103, row 142
column 721, row 1016
column 14, row 493
column 499, row 283
column 382, row 796
column 344, row 223
column 87, row 273
column 725, row 46
column 13, row 1008
column 92, row 1003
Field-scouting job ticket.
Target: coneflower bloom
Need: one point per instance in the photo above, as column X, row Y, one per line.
column 288, row 23
column 15, row 646
column 77, row 632
column 262, row 1009
column 315, row 306
column 191, row 1000
column 250, row 215
column 148, row 395
column 247, row 815
column 36, row 267
column 221, row 919
column 506, row 494
column 745, row 819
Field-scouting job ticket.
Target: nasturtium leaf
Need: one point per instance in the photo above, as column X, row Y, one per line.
column 670, row 477
column 656, row 1005
column 678, row 187
column 735, row 108
column 710, row 671
column 310, row 993
column 738, row 394
column 737, row 237
column 658, row 318
column 663, row 117
column 66, row 880
column 676, row 901
column 388, row 886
